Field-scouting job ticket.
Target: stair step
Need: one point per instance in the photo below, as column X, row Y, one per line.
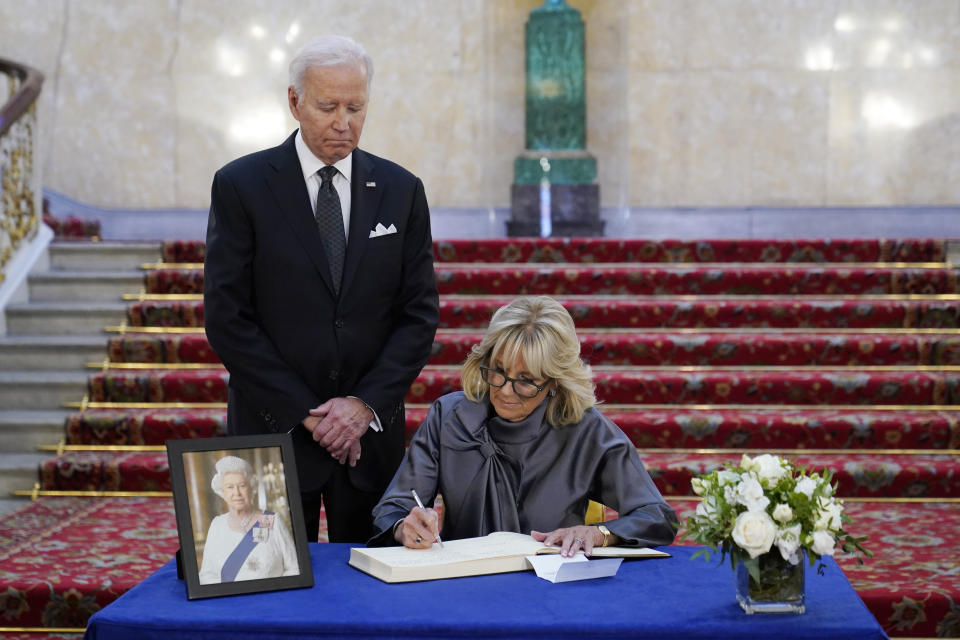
column 681, row 427
column 143, row 426
column 857, row 475
column 723, row 311
column 50, row 351
column 675, row 312
column 631, row 347
column 106, row 471
column 62, row 286
column 63, row 318
column 513, row 250
column 748, row 386
column 41, row 389
column 19, row 471
column 641, row 279
column 87, row 256
column 24, row 430
column 691, row 385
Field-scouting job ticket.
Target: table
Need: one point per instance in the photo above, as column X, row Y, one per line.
column 671, row 598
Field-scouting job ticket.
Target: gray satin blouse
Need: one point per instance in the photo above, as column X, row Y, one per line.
column 496, row 475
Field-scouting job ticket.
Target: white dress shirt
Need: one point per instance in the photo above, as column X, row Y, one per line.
column 310, row 165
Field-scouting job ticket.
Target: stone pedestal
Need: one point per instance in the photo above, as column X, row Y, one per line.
column 574, row 210
column 566, row 167
column 556, row 130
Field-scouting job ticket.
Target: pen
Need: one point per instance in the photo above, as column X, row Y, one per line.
column 420, row 504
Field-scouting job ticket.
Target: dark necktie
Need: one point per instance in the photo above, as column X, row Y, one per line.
column 330, row 224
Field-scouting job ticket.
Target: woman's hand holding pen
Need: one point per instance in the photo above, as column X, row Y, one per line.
column 420, row 529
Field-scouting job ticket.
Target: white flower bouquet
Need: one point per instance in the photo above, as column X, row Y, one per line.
column 768, row 505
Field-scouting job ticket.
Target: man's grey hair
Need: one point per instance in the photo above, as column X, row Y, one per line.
column 232, row 464
column 328, row 51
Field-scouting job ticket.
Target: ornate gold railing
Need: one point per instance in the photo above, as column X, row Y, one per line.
column 19, row 185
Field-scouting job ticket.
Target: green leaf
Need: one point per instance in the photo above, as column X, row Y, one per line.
column 753, row 567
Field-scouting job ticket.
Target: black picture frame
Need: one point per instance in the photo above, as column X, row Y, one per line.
column 192, row 467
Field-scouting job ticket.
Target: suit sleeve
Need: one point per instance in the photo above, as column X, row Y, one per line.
column 415, row 315
column 279, row 394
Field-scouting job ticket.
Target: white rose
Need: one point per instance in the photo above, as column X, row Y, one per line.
column 746, row 462
column 730, row 494
column 788, row 542
column 707, row 507
column 769, row 469
column 726, row 477
column 782, row 513
column 750, row 494
column 699, row 486
column 754, row 532
column 807, row 486
column 823, row 543
column 828, row 516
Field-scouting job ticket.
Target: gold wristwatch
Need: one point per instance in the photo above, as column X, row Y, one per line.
column 606, row 535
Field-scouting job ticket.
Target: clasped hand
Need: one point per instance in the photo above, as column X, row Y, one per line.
column 337, row 425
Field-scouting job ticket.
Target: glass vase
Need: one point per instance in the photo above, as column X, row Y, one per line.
column 779, row 590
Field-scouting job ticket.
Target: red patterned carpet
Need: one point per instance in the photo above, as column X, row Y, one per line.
column 660, row 427
column 635, row 347
column 673, row 312
column 608, row 279
column 841, row 354
column 639, row 385
column 593, row 250
column 62, row 559
column 78, row 536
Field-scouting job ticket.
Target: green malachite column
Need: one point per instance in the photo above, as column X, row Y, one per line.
column 556, row 124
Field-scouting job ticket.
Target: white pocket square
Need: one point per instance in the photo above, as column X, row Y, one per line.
column 381, row 230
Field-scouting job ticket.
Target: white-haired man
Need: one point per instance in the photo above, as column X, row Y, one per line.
column 319, row 293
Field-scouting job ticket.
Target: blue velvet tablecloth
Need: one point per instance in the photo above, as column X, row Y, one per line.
column 671, row 598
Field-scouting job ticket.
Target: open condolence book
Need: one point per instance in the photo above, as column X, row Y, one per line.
column 497, row 552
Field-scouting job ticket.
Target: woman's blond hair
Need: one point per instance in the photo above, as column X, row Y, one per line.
column 541, row 332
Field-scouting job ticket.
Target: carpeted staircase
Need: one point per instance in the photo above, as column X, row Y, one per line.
column 840, row 354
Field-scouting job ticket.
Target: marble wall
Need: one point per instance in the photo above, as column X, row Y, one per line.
column 739, row 103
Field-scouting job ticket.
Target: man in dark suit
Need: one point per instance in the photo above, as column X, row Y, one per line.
column 319, row 291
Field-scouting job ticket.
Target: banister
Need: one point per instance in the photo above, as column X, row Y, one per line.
column 30, row 82
column 19, row 179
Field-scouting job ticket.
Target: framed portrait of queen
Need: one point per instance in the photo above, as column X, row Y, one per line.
column 239, row 516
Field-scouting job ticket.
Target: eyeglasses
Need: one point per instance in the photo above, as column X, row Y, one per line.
column 521, row 386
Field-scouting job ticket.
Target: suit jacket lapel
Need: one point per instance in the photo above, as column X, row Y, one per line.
column 365, row 203
column 293, row 201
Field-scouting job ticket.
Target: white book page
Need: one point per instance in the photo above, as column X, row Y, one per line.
column 501, row 543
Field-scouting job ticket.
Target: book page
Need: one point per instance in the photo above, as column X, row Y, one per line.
column 613, row 552
column 495, row 545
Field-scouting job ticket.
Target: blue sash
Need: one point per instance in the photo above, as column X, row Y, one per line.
column 231, row 567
